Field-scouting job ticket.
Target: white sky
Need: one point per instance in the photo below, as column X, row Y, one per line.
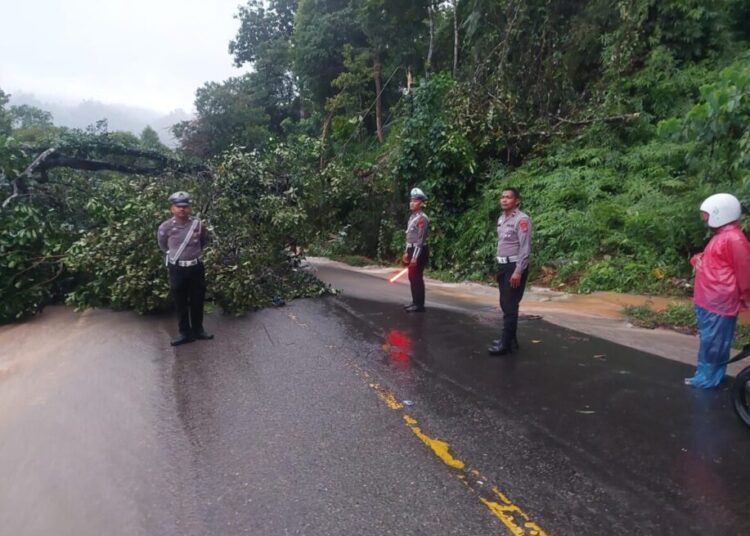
column 146, row 53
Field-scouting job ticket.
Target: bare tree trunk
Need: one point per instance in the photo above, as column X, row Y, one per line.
column 323, row 136
column 300, row 96
column 455, row 37
column 408, row 80
column 378, row 101
column 302, row 111
column 428, row 65
column 52, row 158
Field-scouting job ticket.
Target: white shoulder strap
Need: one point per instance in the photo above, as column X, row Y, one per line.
column 184, row 244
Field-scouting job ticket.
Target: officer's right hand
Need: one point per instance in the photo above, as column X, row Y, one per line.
column 405, row 260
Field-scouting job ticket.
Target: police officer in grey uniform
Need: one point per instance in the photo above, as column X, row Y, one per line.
column 182, row 239
column 513, row 249
column 417, row 253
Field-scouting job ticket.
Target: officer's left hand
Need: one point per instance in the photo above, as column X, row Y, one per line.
column 515, row 280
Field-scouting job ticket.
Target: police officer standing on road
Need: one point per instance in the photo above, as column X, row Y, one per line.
column 182, row 238
column 513, row 249
column 417, row 252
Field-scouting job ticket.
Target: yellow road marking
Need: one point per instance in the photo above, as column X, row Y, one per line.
column 509, row 514
column 512, row 516
column 440, row 448
column 387, row 397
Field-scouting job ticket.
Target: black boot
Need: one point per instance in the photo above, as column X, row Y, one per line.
column 183, row 338
column 513, row 344
column 503, row 346
column 499, row 349
column 203, row 335
column 415, row 309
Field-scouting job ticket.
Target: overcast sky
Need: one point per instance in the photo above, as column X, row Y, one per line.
column 147, row 53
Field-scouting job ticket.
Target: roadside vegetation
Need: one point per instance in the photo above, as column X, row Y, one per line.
column 613, row 119
column 677, row 316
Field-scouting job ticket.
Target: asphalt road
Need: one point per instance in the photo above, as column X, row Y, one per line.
column 345, row 415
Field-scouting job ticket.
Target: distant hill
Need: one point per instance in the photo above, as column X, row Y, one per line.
column 119, row 117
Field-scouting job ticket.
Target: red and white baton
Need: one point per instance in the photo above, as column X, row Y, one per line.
column 402, row 272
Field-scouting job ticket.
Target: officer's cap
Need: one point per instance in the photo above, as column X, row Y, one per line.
column 181, row 199
column 416, row 193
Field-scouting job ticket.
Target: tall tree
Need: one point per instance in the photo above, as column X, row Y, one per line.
column 322, row 28
column 394, row 36
column 261, row 26
column 455, row 37
column 264, row 41
column 431, row 14
column 25, row 116
column 229, row 113
column 5, row 119
column 150, row 138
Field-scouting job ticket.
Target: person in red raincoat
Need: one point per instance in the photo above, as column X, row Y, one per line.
column 722, row 287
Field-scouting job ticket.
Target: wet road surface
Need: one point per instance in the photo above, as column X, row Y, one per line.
column 293, row 421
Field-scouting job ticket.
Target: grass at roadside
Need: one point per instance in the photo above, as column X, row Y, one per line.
column 447, row 276
column 677, row 316
column 355, row 260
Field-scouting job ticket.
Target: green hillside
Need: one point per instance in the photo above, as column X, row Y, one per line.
column 614, row 119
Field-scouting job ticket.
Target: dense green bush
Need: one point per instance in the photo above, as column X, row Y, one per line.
column 33, row 237
column 116, row 259
column 257, row 225
column 31, row 253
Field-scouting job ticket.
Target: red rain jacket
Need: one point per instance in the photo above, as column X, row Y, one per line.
column 722, row 272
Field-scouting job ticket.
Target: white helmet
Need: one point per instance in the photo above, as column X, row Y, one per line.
column 721, row 209
column 416, row 193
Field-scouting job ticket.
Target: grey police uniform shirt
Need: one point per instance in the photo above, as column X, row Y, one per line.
column 416, row 232
column 514, row 238
column 172, row 233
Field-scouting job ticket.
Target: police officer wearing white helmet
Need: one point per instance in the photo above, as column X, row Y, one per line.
column 182, row 239
column 722, row 287
column 416, row 253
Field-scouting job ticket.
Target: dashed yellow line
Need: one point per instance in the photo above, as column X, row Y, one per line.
column 386, row 396
column 440, row 448
column 509, row 514
column 512, row 516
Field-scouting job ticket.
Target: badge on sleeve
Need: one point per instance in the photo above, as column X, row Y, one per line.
column 421, row 222
column 524, row 225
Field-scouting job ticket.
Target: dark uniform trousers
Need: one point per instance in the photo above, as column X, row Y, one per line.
column 188, row 286
column 510, row 298
column 416, row 274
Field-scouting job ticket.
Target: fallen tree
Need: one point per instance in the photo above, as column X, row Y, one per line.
column 79, row 222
